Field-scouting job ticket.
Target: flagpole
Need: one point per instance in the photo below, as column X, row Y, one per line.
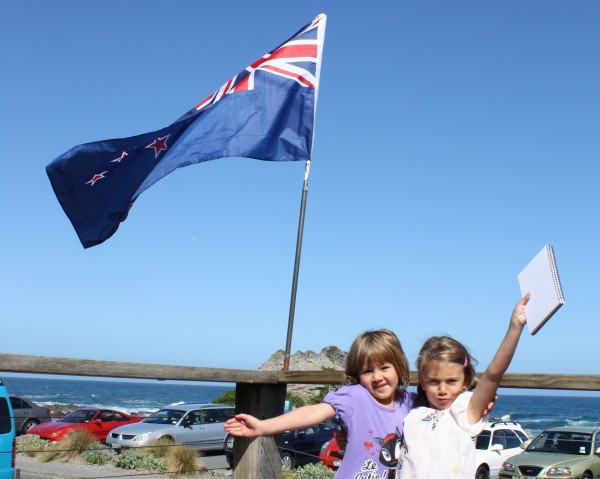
column 288, row 342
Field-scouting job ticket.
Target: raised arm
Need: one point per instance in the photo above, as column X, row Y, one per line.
column 249, row 426
column 486, row 388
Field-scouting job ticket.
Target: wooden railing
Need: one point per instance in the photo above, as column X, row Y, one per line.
column 260, row 393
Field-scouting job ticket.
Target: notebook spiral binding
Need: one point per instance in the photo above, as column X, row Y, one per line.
column 555, row 277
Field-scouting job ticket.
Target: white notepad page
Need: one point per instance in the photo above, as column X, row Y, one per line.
column 540, row 277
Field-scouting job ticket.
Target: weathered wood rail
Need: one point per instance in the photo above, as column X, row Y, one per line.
column 260, row 393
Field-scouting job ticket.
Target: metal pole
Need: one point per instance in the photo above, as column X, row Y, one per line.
column 288, row 343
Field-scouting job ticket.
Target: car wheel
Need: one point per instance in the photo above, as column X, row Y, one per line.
column 482, row 473
column 287, row 461
column 586, row 476
column 28, row 425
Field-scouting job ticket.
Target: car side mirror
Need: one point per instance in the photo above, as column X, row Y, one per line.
column 186, row 422
column 497, row 447
column 96, row 421
column 523, row 445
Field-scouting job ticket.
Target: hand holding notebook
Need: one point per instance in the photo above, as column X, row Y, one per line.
column 540, row 277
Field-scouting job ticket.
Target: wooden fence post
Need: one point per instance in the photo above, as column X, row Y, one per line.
column 258, row 458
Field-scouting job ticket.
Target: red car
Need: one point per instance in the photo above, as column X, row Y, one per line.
column 98, row 421
column 330, row 454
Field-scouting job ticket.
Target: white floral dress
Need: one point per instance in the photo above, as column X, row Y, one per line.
column 440, row 443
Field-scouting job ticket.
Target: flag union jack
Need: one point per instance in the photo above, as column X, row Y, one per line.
column 294, row 60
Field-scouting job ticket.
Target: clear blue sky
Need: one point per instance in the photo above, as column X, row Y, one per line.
column 453, row 140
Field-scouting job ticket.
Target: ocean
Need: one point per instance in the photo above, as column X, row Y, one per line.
column 127, row 396
column 534, row 413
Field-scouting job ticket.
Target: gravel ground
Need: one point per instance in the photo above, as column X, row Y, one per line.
column 80, row 470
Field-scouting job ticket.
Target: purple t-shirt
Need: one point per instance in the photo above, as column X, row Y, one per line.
column 374, row 432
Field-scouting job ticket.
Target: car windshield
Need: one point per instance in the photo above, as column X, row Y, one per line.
column 565, row 442
column 165, row 416
column 79, row 416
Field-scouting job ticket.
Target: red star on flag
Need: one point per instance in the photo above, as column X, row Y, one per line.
column 118, row 160
column 96, row 177
column 159, row 144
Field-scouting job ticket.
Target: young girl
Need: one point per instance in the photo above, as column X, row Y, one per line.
column 440, row 435
column 371, row 408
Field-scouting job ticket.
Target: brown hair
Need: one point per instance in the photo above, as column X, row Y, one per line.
column 448, row 350
column 381, row 346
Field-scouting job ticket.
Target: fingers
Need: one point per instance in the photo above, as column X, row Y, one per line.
column 241, row 425
column 236, row 429
column 526, row 298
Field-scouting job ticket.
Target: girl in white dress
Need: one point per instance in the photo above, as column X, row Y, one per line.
column 440, row 434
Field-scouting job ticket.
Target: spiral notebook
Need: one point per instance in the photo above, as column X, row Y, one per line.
column 540, row 277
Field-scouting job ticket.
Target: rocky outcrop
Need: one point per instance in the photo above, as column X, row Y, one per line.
column 330, row 358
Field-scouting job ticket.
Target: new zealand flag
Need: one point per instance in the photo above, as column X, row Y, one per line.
column 266, row 112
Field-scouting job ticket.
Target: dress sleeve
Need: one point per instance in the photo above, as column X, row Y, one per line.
column 458, row 410
column 343, row 403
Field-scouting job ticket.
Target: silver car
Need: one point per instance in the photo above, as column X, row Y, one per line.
column 197, row 426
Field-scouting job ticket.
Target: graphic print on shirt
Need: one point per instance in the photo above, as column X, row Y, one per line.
column 434, row 417
column 390, row 447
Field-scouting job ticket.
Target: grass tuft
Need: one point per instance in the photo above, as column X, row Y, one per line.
column 71, row 446
column 161, row 447
column 183, row 461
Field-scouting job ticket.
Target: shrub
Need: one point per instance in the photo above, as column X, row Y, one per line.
column 31, row 445
column 297, row 401
column 313, row 471
column 71, row 446
column 318, row 398
column 139, row 459
column 100, row 455
column 183, row 461
column 228, row 397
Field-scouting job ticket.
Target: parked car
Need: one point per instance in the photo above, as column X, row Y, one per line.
column 197, row 426
column 558, row 452
column 331, row 455
column 496, row 443
column 97, row 421
column 7, row 436
column 299, row 447
column 28, row 414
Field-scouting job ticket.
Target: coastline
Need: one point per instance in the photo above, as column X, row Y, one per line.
column 60, row 410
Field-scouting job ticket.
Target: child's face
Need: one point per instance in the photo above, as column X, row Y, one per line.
column 381, row 380
column 442, row 382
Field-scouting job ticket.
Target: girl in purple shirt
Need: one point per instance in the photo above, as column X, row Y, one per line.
column 371, row 408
